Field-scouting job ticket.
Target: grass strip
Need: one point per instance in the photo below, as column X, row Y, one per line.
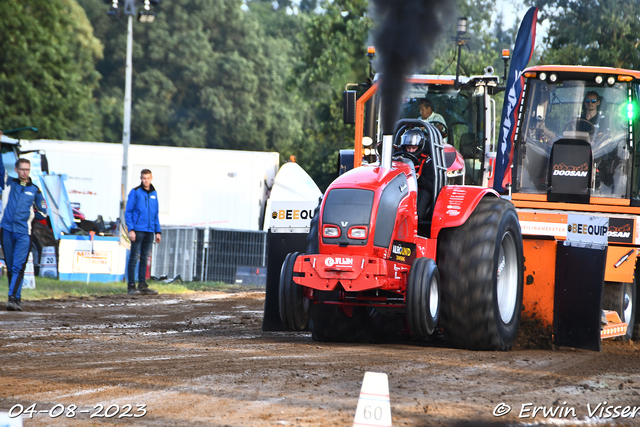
column 47, row 288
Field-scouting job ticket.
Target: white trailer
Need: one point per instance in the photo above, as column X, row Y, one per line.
column 196, row 187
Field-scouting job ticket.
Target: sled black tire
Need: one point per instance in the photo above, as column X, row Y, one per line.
column 384, row 328
column 366, row 325
column 294, row 306
column 328, row 324
column 423, row 301
column 621, row 297
column 481, row 268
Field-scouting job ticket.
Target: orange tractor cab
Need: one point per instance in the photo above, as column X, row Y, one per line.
column 575, row 182
column 463, row 111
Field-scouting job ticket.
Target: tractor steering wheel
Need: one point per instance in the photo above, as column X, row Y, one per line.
column 572, row 125
column 444, row 130
column 407, row 155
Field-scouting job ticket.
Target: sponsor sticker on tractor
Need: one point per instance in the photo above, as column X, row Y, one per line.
column 338, row 262
column 536, row 224
column 621, row 230
column 587, row 229
column 403, row 252
column 561, row 169
column 456, row 201
column 541, row 228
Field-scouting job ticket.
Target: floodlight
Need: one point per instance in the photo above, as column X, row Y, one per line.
column 146, row 16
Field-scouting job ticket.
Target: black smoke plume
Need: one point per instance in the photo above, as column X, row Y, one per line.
column 406, row 34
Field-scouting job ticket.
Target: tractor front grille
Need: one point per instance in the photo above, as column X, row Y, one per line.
column 346, row 208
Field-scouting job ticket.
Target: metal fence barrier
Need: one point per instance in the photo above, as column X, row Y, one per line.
column 206, row 254
column 175, row 254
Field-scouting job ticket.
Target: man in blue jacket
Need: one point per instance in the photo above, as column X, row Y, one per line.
column 2, row 172
column 25, row 202
column 142, row 221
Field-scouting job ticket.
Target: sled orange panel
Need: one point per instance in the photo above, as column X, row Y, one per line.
column 615, row 327
column 539, row 279
column 626, row 267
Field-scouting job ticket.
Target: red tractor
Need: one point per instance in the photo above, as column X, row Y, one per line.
column 372, row 269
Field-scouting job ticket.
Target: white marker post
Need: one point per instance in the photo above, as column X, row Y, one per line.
column 374, row 406
column 92, row 234
column 29, row 278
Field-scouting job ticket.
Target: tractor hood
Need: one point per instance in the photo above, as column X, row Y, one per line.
column 366, row 197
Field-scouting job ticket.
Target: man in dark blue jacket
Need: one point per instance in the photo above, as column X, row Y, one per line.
column 25, row 202
column 143, row 224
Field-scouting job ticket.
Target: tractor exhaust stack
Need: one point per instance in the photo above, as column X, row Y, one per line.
column 387, row 149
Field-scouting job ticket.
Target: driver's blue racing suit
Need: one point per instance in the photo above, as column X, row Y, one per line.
column 25, row 202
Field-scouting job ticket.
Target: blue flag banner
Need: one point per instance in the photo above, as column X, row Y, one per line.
column 522, row 52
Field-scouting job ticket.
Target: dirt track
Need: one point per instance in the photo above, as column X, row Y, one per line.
column 202, row 359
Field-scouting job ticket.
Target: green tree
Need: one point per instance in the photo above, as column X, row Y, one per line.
column 591, row 32
column 486, row 40
column 47, row 75
column 308, row 5
column 334, row 47
column 217, row 74
column 206, row 74
column 276, row 22
column 333, row 54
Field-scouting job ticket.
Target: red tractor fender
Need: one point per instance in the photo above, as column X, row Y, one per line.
column 455, row 204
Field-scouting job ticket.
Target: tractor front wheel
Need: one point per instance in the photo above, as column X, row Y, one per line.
column 481, row 267
column 294, row 306
column 423, row 297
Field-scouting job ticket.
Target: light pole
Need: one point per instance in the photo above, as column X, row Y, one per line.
column 145, row 15
column 460, row 40
column 126, row 131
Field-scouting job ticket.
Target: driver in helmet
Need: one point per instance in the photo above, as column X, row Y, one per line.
column 415, row 143
column 427, row 114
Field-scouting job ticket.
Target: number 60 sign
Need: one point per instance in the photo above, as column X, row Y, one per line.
column 374, row 407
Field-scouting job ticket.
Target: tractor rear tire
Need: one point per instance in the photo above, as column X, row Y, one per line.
column 621, row 297
column 481, row 267
column 423, row 297
column 294, row 305
column 328, row 324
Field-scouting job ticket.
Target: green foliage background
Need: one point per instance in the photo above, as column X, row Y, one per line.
column 591, row 32
column 47, row 68
column 252, row 75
